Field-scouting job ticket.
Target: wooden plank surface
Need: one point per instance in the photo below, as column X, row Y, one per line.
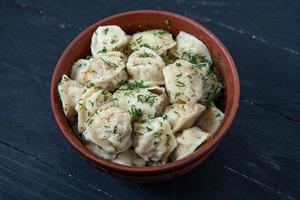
column 258, row 159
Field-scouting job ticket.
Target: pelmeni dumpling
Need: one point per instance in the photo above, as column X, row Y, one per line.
column 110, row 128
column 107, row 70
column 79, row 70
column 129, row 158
column 92, row 99
column 212, row 86
column 100, row 152
column 210, row 119
column 158, row 40
column 154, row 140
column 190, row 48
column 145, row 64
column 188, row 142
column 148, row 101
column 70, row 92
column 183, row 116
column 183, row 82
column 108, row 38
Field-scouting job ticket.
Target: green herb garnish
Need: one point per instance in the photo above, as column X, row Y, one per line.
column 105, row 31
column 180, row 84
column 134, row 85
column 135, row 113
column 149, row 129
column 150, row 99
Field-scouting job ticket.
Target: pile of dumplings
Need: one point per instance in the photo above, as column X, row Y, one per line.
column 145, row 99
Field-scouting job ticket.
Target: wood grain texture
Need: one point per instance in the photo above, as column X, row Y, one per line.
column 258, row 159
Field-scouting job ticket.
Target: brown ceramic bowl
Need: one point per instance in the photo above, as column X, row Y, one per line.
column 132, row 22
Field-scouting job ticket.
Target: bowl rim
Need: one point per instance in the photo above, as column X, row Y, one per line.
column 172, row 166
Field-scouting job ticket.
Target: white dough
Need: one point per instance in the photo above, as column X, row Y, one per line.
column 100, row 152
column 79, row 70
column 70, row 92
column 107, row 70
column 212, row 86
column 151, row 101
column 158, row 40
column 183, row 82
column 108, row 38
column 190, row 48
column 129, row 158
column 183, row 116
column 210, row 120
column 144, row 64
column 154, row 140
column 110, row 128
column 92, row 99
column 188, row 142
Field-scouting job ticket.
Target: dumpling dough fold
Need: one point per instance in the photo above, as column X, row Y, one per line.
column 154, row 139
column 191, row 49
column 150, row 101
column 188, row 142
column 210, row 119
column 110, row 128
column 129, row 158
column 69, row 92
column 158, row 40
column 183, row 116
column 92, row 99
column 145, row 64
column 108, row 38
column 184, row 82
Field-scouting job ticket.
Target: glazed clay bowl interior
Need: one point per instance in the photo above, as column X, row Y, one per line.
column 132, row 22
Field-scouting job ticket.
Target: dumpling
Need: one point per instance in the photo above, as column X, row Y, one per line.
column 107, row 70
column 142, row 102
column 153, row 140
column 191, row 49
column 92, row 99
column 110, row 128
column 158, row 40
column 70, row 92
column 100, row 152
column 210, row 120
column 144, row 64
column 188, row 142
column 108, row 38
column 79, row 70
column 129, row 158
column 212, row 86
column 183, row 82
column 183, row 116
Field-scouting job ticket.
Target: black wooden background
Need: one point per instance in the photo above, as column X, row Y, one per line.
column 258, row 159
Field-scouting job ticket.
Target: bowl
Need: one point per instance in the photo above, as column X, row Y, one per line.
column 131, row 22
